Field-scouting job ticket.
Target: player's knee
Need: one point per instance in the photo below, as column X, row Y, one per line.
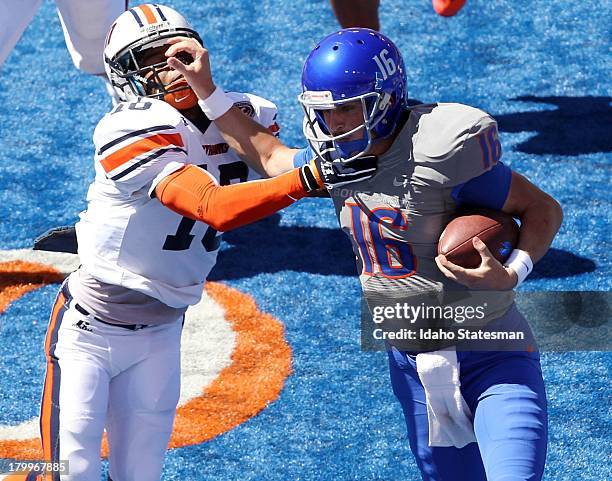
column 81, row 434
column 82, row 452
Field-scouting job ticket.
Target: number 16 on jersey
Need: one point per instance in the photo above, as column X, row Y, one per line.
column 379, row 253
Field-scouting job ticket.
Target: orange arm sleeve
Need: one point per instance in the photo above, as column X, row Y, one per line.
column 193, row 193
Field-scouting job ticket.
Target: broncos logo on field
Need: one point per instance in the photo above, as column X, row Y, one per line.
column 235, row 358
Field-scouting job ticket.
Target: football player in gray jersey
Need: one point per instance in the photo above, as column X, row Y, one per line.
column 472, row 414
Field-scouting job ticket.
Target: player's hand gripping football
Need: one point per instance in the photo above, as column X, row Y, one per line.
column 490, row 274
column 188, row 57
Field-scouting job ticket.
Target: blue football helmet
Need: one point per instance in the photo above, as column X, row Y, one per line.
column 352, row 65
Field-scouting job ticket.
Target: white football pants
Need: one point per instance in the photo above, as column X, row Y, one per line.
column 85, row 25
column 106, row 376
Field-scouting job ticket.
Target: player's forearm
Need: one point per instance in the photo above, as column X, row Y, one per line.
column 540, row 215
column 192, row 192
column 260, row 148
column 539, row 225
column 253, row 142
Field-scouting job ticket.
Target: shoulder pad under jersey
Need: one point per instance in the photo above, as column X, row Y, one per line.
column 261, row 110
column 138, row 137
column 461, row 140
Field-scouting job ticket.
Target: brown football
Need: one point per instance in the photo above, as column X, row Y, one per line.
column 499, row 231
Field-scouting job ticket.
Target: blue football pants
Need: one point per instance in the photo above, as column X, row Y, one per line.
column 505, row 393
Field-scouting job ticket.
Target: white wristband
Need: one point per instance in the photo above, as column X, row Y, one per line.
column 216, row 104
column 520, row 262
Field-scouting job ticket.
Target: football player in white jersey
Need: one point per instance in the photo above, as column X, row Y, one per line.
column 146, row 242
column 473, row 415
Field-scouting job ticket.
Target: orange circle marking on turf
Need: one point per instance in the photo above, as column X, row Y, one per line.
column 261, row 361
column 20, row 277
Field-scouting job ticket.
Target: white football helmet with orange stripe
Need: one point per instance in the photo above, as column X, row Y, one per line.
column 137, row 30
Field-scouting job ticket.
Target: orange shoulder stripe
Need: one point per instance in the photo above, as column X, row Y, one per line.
column 129, row 152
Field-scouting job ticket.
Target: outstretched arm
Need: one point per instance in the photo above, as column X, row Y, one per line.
column 248, row 138
column 193, row 192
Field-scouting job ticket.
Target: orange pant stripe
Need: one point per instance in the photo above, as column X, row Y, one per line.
column 49, row 415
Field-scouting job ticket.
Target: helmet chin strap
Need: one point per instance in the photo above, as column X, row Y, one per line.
column 349, row 148
column 182, row 99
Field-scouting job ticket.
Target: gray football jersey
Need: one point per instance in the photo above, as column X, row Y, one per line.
column 394, row 219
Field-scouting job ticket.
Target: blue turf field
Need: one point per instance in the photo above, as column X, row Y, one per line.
column 542, row 68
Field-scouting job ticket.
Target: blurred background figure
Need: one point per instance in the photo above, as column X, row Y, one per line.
column 364, row 13
column 85, row 25
column 357, row 13
column 447, row 8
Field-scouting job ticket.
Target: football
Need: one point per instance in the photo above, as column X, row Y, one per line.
column 498, row 230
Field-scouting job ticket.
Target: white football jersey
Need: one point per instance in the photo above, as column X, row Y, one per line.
column 127, row 237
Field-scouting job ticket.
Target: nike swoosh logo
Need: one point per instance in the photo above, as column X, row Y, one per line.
column 401, row 183
column 178, row 101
